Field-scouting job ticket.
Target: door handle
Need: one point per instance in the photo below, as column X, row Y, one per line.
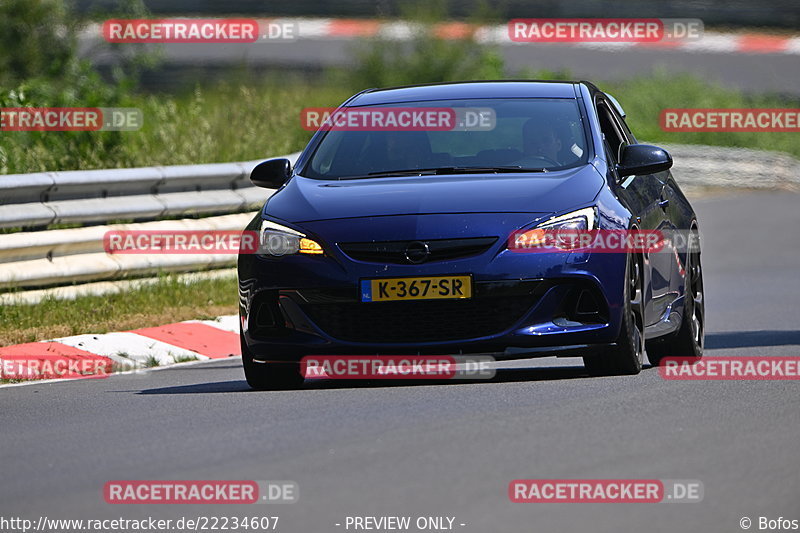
column 664, row 203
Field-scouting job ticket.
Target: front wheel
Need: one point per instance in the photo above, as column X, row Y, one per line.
column 689, row 340
column 625, row 358
column 269, row 376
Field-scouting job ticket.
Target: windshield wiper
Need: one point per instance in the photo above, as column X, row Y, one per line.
column 445, row 170
column 487, row 170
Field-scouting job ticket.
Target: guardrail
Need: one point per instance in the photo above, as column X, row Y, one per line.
column 43, row 198
column 31, row 259
column 43, row 258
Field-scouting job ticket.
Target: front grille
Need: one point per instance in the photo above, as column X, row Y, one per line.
column 420, row 321
column 394, row 252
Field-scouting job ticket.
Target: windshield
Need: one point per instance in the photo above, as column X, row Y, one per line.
column 502, row 135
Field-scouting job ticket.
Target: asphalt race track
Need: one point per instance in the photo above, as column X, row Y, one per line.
column 451, row 449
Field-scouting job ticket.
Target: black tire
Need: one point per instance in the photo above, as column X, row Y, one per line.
column 269, row 376
column 626, row 357
column 690, row 338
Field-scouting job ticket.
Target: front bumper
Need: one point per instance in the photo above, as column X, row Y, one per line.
column 507, row 318
column 522, row 303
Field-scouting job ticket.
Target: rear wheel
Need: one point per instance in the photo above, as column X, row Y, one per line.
column 689, row 340
column 269, row 376
column 626, row 356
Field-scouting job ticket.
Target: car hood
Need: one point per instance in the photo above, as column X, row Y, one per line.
column 305, row 199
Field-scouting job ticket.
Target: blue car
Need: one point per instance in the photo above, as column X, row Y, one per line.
column 390, row 240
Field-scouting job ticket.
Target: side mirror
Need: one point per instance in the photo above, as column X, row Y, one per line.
column 271, row 174
column 643, row 159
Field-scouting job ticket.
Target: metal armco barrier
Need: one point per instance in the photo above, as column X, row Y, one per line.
column 56, row 257
column 81, row 196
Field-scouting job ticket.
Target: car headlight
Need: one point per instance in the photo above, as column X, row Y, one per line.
column 277, row 240
column 560, row 232
column 582, row 219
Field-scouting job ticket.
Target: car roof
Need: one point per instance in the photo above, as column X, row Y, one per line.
column 467, row 90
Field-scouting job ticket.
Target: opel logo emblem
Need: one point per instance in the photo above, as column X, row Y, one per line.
column 417, row 252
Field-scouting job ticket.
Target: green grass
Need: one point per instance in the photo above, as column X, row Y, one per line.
column 225, row 122
column 643, row 99
column 164, row 302
column 184, row 358
column 232, row 122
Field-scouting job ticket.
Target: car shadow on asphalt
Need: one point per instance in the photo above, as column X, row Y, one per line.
column 745, row 339
column 201, row 388
column 714, row 341
column 511, row 375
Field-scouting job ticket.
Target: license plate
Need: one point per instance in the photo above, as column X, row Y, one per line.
column 418, row 288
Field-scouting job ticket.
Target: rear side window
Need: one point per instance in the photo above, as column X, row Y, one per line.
column 614, row 136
